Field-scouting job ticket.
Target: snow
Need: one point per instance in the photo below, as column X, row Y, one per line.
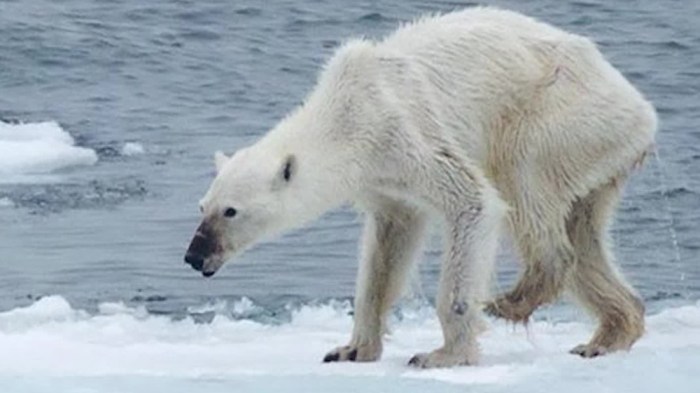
column 38, row 148
column 52, row 347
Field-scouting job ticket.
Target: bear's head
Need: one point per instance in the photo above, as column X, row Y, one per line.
column 252, row 196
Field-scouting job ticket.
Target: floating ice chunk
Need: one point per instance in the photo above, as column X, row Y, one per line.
column 132, row 149
column 6, row 202
column 39, row 148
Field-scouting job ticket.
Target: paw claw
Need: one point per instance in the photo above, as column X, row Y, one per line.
column 331, row 357
column 415, row 361
column 362, row 353
column 492, row 310
column 440, row 358
column 588, row 351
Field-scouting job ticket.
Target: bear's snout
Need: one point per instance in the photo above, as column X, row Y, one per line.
column 202, row 247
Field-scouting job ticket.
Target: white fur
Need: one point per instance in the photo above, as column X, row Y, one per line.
column 470, row 117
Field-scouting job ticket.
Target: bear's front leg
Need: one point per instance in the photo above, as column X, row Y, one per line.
column 392, row 237
column 473, row 214
column 464, row 281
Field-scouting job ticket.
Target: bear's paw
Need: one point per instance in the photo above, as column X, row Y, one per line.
column 354, row 353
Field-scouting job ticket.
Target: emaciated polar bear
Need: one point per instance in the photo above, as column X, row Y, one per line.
column 480, row 118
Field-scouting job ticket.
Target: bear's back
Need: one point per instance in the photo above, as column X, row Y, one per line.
column 480, row 23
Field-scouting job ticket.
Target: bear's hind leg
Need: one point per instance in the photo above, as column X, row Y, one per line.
column 548, row 256
column 596, row 282
column 392, row 239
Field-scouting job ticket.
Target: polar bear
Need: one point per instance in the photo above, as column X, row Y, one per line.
column 483, row 119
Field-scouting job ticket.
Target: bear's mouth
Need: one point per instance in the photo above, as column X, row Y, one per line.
column 207, row 266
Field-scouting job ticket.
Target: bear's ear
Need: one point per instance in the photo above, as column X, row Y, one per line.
column 288, row 169
column 220, row 159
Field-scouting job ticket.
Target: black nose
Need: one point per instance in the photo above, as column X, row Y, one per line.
column 195, row 260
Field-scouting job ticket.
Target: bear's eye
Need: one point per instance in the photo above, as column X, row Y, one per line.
column 230, row 212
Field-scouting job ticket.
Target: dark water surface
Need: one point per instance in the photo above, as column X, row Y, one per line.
column 185, row 78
